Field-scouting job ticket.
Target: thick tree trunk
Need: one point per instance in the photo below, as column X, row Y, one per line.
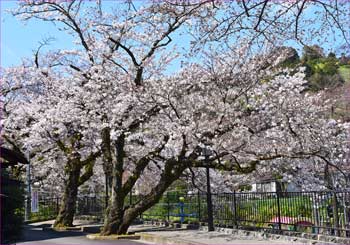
column 115, row 211
column 106, row 149
column 67, row 209
column 73, row 168
column 114, row 217
column 148, row 201
column 119, row 222
column 133, row 212
column 130, row 215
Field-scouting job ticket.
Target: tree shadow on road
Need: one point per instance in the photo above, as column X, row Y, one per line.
column 36, row 233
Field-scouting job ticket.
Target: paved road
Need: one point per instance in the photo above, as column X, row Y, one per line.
column 35, row 235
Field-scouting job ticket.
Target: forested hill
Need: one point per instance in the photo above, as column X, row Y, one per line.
column 322, row 71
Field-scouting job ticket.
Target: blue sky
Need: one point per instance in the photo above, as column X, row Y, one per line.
column 19, row 39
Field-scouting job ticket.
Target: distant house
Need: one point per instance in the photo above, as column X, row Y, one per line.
column 274, row 185
column 270, row 184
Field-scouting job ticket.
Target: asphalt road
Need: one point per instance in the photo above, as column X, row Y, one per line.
column 34, row 235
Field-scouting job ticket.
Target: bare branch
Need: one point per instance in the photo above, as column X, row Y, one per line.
column 261, row 15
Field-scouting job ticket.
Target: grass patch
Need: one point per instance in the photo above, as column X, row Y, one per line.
column 344, row 72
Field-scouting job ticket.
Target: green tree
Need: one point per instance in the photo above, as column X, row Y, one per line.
column 12, row 206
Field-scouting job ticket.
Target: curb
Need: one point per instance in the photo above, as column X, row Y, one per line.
column 164, row 240
column 68, row 229
column 113, row 237
column 246, row 233
column 74, row 228
column 304, row 239
column 157, row 239
column 87, row 229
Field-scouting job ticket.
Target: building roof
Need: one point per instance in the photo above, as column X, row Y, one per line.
column 10, row 157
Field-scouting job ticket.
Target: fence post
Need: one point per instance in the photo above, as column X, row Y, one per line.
column 279, row 210
column 235, row 209
column 199, row 206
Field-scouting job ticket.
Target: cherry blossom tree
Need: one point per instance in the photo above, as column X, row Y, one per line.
column 48, row 126
column 105, row 55
column 275, row 22
column 111, row 99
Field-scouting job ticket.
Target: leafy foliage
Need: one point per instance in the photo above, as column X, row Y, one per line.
column 12, row 208
column 344, row 72
column 323, row 73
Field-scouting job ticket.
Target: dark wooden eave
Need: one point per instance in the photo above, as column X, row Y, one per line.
column 10, row 157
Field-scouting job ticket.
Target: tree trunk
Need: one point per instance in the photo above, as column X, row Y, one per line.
column 148, row 201
column 115, row 211
column 67, row 209
column 132, row 213
column 129, row 216
column 106, row 149
column 114, row 217
column 118, row 222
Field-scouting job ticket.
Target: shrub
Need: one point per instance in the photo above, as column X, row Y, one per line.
column 320, row 81
column 12, row 208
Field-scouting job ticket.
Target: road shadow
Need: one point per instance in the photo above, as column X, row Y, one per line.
column 36, row 233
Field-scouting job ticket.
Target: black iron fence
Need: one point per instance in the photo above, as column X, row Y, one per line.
column 47, row 208
column 90, row 205
column 314, row 212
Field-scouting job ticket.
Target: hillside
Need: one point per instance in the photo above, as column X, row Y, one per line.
column 322, row 71
column 329, row 74
column 344, row 72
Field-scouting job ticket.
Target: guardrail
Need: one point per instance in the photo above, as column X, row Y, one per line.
column 313, row 212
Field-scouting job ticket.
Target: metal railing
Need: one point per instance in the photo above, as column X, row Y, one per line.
column 314, row 212
column 47, row 209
